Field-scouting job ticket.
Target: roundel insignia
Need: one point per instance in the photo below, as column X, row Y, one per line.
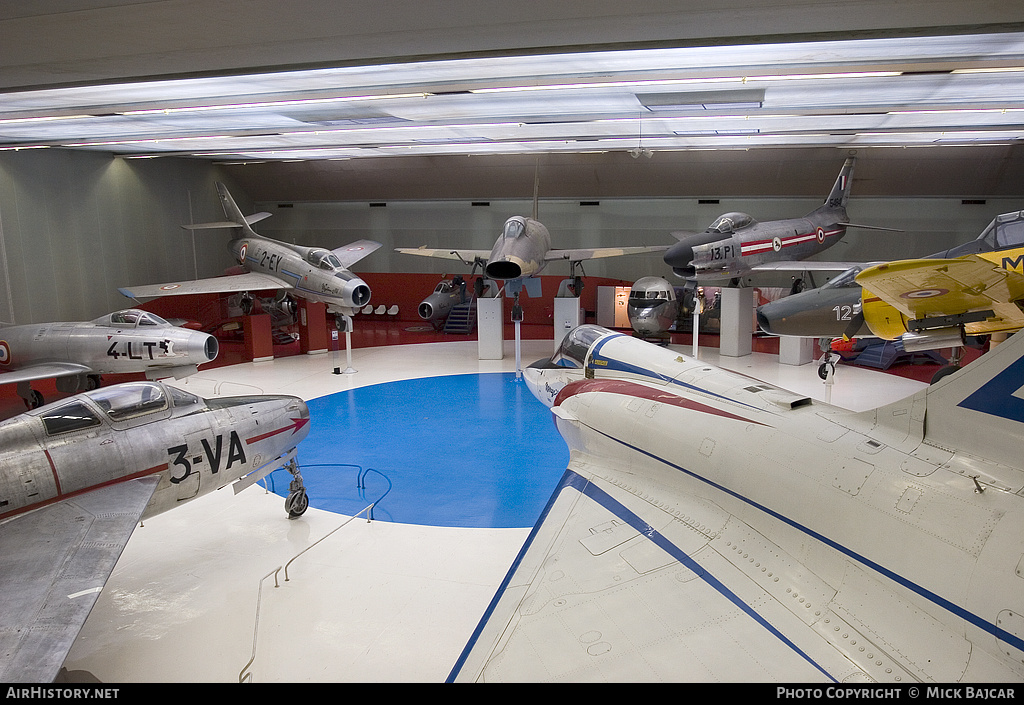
column 776, row 244
column 5, row 353
column 354, row 249
column 241, row 252
column 169, row 287
column 821, row 235
column 924, row 293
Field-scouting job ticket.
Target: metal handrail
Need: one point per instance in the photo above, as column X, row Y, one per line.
column 243, row 676
column 345, row 523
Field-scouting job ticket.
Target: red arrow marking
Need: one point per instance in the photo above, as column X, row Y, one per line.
column 293, row 427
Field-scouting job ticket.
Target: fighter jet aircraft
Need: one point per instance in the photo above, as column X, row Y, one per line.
column 710, row 527
column 521, row 252
column 984, row 268
column 652, row 307
column 736, row 244
column 77, row 475
column 436, row 307
column 312, row 273
column 77, row 354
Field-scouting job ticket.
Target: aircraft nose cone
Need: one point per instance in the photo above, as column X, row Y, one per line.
column 764, row 323
column 679, row 257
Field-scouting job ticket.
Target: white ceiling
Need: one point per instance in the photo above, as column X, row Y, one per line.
column 884, row 92
column 261, row 82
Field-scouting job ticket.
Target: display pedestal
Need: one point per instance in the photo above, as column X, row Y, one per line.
column 490, row 331
column 737, row 322
column 259, row 345
column 568, row 315
column 795, row 351
column 312, row 327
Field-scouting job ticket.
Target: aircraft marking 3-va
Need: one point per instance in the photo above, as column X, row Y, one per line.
column 77, row 475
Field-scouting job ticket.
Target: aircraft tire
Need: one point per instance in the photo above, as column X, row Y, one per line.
column 944, row 372
column 296, row 504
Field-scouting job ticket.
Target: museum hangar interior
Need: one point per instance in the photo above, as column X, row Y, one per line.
column 429, row 125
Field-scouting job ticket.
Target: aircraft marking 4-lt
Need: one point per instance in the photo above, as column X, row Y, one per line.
column 127, row 341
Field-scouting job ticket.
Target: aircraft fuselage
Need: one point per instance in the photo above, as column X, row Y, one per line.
column 519, row 251
column 828, row 514
column 315, row 273
column 141, row 429
column 719, row 255
column 122, row 342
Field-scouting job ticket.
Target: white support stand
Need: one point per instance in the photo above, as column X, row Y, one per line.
column 696, row 329
column 737, row 322
column 490, row 332
column 796, row 351
column 349, row 370
column 568, row 315
column 519, row 355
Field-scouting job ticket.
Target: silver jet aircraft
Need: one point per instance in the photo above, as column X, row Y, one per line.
column 77, row 475
column 122, row 342
column 312, row 273
column 736, row 244
column 521, row 252
column 711, row 527
column 652, row 307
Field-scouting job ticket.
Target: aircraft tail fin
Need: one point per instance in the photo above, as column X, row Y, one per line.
column 840, row 192
column 980, row 408
column 233, row 213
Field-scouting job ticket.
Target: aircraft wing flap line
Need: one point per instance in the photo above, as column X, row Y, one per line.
column 53, row 563
column 544, row 619
column 43, row 371
column 251, row 281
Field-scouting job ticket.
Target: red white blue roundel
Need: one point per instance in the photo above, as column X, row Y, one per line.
column 821, row 235
column 170, row 287
column 924, row 293
column 5, row 353
column 776, row 244
column 241, row 252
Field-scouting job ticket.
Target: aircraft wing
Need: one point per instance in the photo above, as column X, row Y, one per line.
column 804, row 266
column 466, row 256
column 53, row 563
column 250, row 281
column 614, row 587
column 925, row 288
column 598, row 252
column 43, row 371
column 355, row 251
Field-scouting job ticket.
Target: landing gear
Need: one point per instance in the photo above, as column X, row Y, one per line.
column 955, row 358
column 297, row 502
column 33, row 398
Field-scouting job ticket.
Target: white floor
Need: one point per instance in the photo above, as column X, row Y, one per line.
column 199, row 590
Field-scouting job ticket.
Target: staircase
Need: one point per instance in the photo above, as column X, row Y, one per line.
column 462, row 318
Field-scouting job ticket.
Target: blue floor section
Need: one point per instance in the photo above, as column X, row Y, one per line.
column 472, row 451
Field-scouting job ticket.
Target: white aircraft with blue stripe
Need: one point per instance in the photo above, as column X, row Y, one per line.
column 711, row 527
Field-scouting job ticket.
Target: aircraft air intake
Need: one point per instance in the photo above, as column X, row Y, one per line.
column 426, row 311
column 503, row 270
column 212, row 348
column 361, row 295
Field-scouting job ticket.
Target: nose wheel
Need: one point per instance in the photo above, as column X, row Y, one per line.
column 297, row 502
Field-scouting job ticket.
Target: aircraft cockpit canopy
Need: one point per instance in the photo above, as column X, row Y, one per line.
column 323, row 259
column 648, row 297
column 443, row 287
column 132, row 318
column 846, row 279
column 130, row 400
column 730, row 222
column 576, row 345
column 1006, row 230
column 514, row 227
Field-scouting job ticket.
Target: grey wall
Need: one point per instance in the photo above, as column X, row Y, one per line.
column 75, row 226
column 929, row 225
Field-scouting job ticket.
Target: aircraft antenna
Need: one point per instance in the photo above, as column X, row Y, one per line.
column 536, row 188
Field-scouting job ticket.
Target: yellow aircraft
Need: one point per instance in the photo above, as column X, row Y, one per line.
column 976, row 294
